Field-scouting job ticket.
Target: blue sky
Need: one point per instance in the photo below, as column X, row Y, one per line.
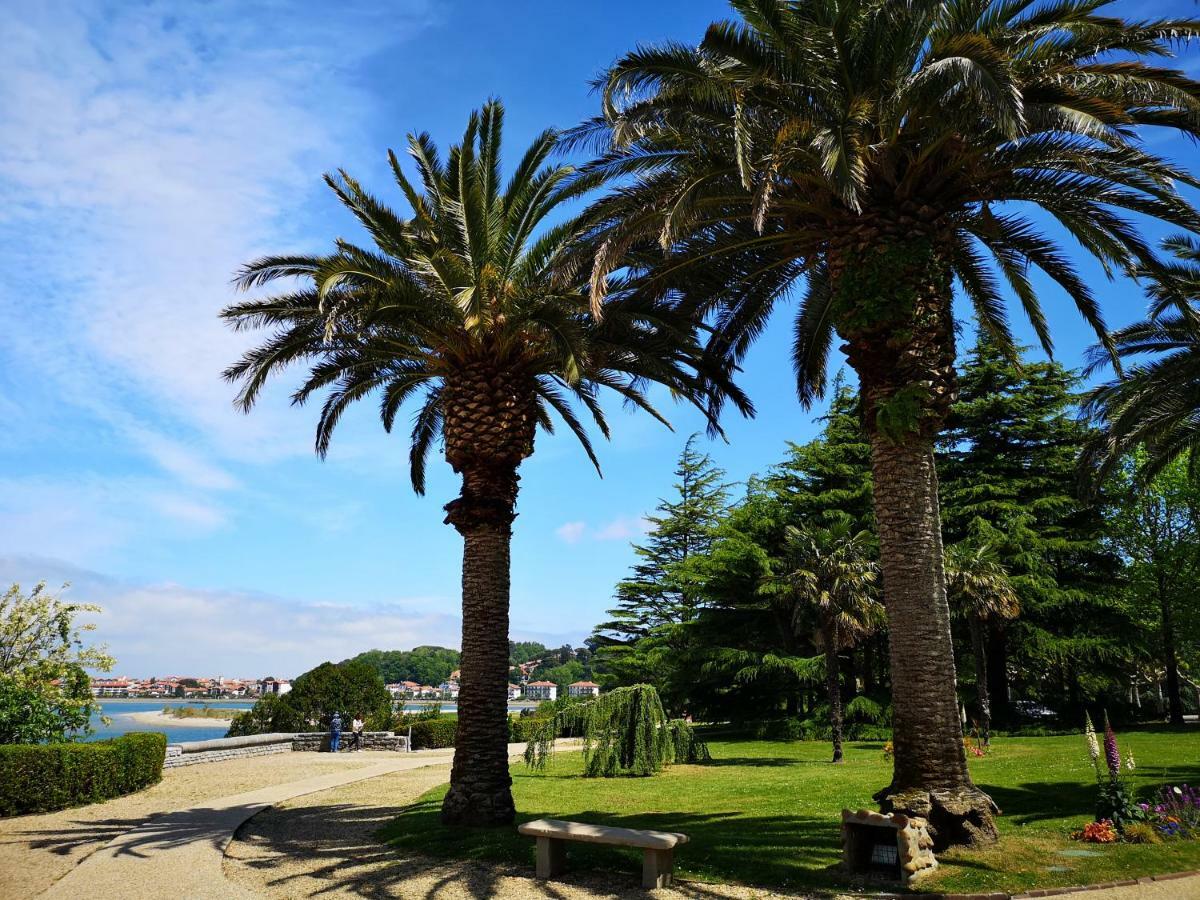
column 149, row 148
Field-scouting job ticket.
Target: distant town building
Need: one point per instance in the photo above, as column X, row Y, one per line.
column 272, row 685
column 541, row 690
column 514, row 692
column 583, row 689
column 110, row 687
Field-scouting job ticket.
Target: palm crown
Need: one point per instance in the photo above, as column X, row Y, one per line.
column 1156, row 404
column 785, row 143
column 469, row 304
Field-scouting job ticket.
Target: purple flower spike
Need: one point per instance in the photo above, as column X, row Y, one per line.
column 1112, row 754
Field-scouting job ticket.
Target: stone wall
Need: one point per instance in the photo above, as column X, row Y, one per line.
column 318, row 741
column 189, row 753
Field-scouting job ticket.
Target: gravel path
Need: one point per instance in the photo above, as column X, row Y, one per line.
column 37, row 850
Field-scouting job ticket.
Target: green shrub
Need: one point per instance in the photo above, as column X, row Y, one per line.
column 790, row 729
column 1141, row 833
column 44, row 777
column 523, row 729
column 433, row 734
column 685, row 745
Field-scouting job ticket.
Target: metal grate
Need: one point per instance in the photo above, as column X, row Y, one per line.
column 885, row 855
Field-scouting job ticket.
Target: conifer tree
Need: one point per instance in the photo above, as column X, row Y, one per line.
column 641, row 642
column 1008, row 478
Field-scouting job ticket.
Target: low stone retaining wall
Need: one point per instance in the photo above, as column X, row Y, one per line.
column 189, row 753
column 318, row 741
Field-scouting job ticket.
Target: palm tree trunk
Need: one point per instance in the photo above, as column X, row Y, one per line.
column 480, row 785
column 892, row 287
column 833, row 684
column 979, row 650
column 930, row 778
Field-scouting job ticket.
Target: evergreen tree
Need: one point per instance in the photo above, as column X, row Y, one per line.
column 641, row 641
column 829, row 477
column 1008, row 478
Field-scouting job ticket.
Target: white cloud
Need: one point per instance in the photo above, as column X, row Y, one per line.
column 149, row 150
column 162, row 627
column 622, row 528
column 571, row 532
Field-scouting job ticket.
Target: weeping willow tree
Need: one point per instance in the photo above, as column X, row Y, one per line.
column 625, row 732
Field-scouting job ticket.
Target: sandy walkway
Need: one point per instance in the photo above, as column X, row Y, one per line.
column 37, row 850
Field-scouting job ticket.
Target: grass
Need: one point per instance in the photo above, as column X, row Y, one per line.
column 198, row 712
column 768, row 814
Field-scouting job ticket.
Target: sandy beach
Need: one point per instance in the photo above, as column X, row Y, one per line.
column 158, row 717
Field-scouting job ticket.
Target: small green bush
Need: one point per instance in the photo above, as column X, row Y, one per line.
column 45, row 777
column 523, row 729
column 790, row 729
column 433, row 734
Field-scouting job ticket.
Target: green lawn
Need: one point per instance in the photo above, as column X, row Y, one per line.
column 768, row 814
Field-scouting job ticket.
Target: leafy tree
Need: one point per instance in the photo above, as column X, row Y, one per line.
column 658, row 596
column 883, row 151
column 827, row 574
column 980, row 590
column 1008, row 479
column 1156, row 404
column 465, row 305
column 1156, row 529
column 349, row 688
column 424, row 665
column 523, row 651
column 45, row 690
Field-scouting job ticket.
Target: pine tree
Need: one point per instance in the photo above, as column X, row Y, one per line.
column 1008, row 478
column 829, row 477
column 642, row 641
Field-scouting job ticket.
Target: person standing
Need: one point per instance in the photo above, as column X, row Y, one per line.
column 356, row 732
column 335, row 732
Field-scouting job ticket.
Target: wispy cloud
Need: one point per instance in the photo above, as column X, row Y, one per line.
column 622, row 528
column 154, row 628
column 149, row 150
column 571, row 532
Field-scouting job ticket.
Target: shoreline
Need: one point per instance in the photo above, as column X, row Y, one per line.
column 158, row 717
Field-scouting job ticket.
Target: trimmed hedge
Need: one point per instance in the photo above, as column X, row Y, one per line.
column 45, row 777
column 433, row 734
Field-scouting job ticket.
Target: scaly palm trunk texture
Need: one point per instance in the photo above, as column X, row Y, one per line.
column 480, row 785
column 491, row 416
column 930, row 778
column 892, row 288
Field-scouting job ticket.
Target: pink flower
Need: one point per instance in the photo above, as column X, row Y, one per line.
column 1112, row 754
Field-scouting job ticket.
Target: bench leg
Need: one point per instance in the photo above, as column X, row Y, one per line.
column 657, row 867
column 551, row 857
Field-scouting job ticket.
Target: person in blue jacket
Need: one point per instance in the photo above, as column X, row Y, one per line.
column 335, row 732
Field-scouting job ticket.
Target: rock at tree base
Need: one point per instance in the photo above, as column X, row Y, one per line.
column 958, row 818
column 890, row 845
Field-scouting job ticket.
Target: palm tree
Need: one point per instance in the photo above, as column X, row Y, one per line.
column 979, row 588
column 828, row 574
column 880, row 150
column 1156, row 405
column 466, row 306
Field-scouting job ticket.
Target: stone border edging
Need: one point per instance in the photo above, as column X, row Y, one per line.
column 1043, row 892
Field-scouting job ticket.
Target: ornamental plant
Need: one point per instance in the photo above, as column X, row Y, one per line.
column 1114, row 802
column 1100, row 832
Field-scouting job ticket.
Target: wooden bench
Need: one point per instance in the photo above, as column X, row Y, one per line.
column 553, row 834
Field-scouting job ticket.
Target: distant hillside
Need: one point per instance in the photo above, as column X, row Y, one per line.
column 424, row 665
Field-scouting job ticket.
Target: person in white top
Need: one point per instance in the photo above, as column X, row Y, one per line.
column 356, row 732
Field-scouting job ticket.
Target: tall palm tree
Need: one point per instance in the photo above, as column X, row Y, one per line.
column 469, row 305
column 978, row 586
column 880, row 150
column 1156, row 404
column 828, row 574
